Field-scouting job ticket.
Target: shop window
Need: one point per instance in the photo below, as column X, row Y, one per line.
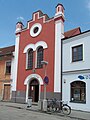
column 78, row 92
column 77, row 53
column 39, row 57
column 8, row 67
column 30, row 59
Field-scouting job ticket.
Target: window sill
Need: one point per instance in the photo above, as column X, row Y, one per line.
column 7, row 73
column 29, row 68
column 81, row 102
column 79, row 61
column 39, row 68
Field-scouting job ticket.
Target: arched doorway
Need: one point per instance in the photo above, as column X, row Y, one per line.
column 34, row 90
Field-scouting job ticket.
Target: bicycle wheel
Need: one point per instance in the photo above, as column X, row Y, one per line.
column 66, row 109
column 50, row 109
column 53, row 109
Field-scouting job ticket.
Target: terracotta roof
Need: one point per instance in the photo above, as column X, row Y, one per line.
column 7, row 50
column 72, row 32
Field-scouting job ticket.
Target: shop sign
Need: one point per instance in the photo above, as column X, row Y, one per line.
column 81, row 77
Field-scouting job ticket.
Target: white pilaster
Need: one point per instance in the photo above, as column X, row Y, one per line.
column 16, row 63
column 59, row 34
column 57, row 64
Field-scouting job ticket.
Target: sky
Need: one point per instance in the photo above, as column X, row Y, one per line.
column 77, row 14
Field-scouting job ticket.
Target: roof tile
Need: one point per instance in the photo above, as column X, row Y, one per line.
column 72, row 32
column 7, row 50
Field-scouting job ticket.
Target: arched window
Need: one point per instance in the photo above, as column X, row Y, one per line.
column 39, row 57
column 30, row 59
column 78, row 91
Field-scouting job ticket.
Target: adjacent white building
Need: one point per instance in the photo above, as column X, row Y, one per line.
column 76, row 71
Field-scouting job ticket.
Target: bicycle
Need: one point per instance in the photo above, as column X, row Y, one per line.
column 54, row 105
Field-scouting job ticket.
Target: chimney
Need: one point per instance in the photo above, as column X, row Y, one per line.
column 19, row 27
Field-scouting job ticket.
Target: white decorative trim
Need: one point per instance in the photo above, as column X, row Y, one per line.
column 44, row 21
column 41, row 43
column 57, row 64
column 31, row 77
column 35, row 46
column 59, row 14
column 36, row 59
column 12, row 71
column 32, row 29
column 32, row 46
column 26, row 59
column 16, row 63
column 37, row 13
column 18, row 30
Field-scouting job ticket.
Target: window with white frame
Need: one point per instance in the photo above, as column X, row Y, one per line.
column 77, row 53
column 39, row 49
column 78, row 91
column 39, row 57
column 30, row 59
column 8, row 67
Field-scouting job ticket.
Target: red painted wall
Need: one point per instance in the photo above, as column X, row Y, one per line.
column 48, row 35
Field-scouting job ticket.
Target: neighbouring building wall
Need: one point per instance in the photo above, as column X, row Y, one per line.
column 6, row 56
column 68, row 65
column 67, row 80
column 4, row 78
column 77, row 72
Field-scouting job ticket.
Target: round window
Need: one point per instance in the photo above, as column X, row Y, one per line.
column 35, row 30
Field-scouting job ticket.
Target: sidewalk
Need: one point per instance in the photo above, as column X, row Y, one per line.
column 74, row 114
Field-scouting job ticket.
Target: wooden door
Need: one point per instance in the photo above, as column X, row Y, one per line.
column 6, row 95
column 34, row 90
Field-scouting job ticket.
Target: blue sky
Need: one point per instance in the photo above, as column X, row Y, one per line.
column 77, row 13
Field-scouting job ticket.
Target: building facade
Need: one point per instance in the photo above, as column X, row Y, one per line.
column 76, row 71
column 39, row 41
column 44, row 50
column 6, row 61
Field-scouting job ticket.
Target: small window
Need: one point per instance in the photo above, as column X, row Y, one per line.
column 35, row 29
column 30, row 59
column 77, row 53
column 78, row 91
column 8, row 67
column 39, row 57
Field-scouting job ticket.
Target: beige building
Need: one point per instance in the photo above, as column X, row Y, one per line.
column 6, row 57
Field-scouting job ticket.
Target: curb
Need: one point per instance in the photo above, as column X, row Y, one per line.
column 30, row 109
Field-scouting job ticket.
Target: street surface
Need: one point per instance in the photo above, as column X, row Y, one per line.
column 10, row 113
